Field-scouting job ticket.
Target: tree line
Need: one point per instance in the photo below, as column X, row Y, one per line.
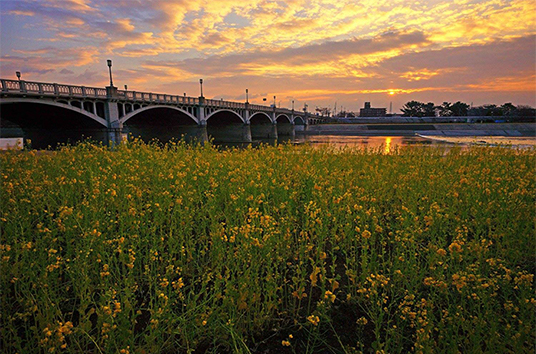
column 447, row 109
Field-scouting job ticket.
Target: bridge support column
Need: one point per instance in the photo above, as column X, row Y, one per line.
column 202, row 133
column 115, row 133
column 273, row 132
column 245, row 115
column 201, row 111
column 111, row 112
column 246, row 133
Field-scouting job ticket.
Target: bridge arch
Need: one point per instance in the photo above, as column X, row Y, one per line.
column 147, row 108
column 262, row 127
column 163, row 123
column 227, row 126
column 260, row 114
column 49, row 123
column 219, row 111
column 298, row 120
column 278, row 120
column 78, row 110
column 285, row 126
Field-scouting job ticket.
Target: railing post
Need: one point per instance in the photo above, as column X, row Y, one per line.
column 22, row 86
column 56, row 89
column 4, row 88
column 70, row 90
column 40, row 87
column 151, row 96
column 84, row 91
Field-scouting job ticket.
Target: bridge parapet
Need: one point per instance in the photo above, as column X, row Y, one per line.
column 20, row 87
column 50, row 89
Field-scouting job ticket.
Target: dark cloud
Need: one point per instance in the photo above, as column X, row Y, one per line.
column 499, row 58
column 66, row 72
column 315, row 53
column 215, row 39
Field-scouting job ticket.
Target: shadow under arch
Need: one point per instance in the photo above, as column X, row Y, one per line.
column 141, row 110
column 47, row 123
column 262, row 127
column 285, row 127
column 281, row 118
column 163, row 123
column 226, row 126
column 299, row 124
column 219, row 113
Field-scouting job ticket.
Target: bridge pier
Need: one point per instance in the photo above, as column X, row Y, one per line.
column 115, row 133
column 111, row 114
column 202, row 133
column 246, row 133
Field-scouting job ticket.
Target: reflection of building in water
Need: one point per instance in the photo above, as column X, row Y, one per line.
column 372, row 112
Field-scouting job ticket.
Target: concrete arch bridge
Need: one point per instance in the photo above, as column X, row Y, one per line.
column 50, row 113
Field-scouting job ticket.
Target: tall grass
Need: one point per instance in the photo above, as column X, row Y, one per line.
column 144, row 249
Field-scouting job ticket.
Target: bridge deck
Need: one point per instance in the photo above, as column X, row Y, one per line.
column 19, row 87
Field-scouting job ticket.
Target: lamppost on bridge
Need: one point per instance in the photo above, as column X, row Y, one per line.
column 274, row 102
column 126, row 87
column 18, row 75
column 293, row 105
column 247, row 98
column 201, row 84
column 109, row 61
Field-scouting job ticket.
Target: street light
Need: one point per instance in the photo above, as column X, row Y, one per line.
column 126, row 87
column 274, row 101
column 18, row 74
column 201, row 83
column 292, row 104
column 247, row 98
column 109, row 61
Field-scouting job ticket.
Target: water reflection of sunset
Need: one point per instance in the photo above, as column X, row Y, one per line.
column 386, row 144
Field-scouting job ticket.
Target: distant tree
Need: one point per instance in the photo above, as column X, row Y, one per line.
column 508, row 109
column 429, row 109
column 445, row 110
column 413, row 109
column 526, row 111
column 491, row 110
column 459, row 109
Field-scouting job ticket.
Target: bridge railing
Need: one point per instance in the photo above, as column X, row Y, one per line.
column 156, row 97
column 72, row 91
column 49, row 89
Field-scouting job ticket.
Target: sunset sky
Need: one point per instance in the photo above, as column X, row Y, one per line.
column 314, row 51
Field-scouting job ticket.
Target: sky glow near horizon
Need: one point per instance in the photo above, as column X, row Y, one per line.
column 314, row 51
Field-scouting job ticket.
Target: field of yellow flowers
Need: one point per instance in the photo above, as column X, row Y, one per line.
column 185, row 249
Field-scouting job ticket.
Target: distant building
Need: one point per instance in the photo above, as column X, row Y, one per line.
column 372, row 112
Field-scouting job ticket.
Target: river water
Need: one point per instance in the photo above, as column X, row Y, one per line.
column 386, row 143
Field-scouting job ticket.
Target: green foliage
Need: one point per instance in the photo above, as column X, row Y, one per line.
column 418, row 109
column 144, row 249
